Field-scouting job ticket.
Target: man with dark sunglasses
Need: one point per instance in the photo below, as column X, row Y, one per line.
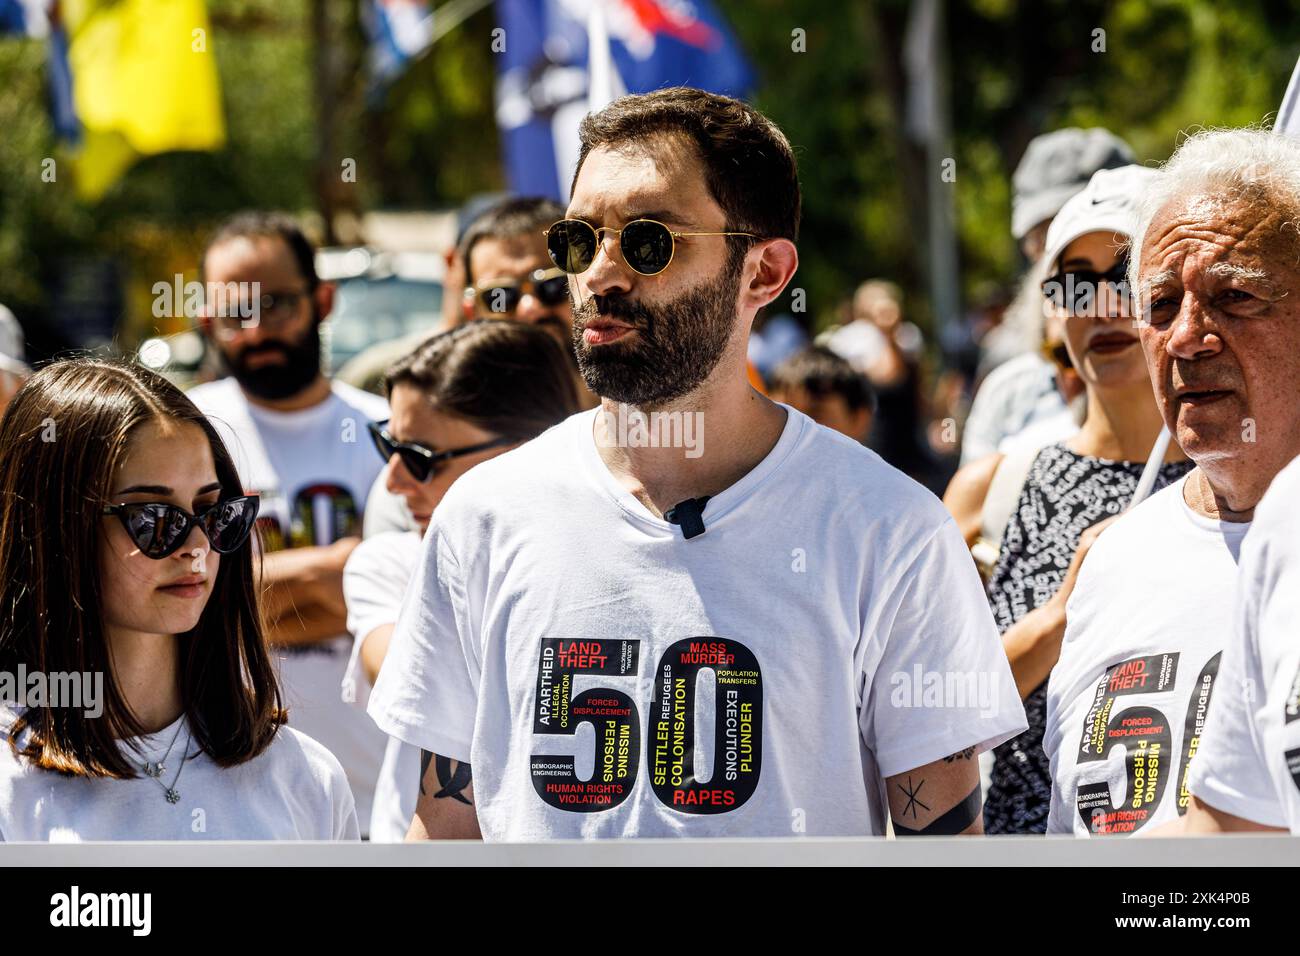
column 508, row 274
column 299, row 440
column 779, row 579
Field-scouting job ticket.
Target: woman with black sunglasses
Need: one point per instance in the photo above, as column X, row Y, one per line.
column 462, row 397
column 149, row 708
column 1057, row 498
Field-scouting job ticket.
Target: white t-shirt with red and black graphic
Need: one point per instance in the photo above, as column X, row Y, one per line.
column 1249, row 763
column 1128, row 699
column 607, row 677
column 313, row 469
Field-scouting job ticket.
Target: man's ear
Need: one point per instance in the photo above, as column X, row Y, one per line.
column 324, row 298
column 777, row 260
column 467, row 310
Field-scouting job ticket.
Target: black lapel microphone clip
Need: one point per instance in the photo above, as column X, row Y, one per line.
column 688, row 515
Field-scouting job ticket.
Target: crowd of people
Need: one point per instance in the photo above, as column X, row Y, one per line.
column 605, row 560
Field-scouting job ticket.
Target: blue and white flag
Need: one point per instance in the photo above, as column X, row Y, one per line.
column 24, row 17
column 399, row 32
column 564, row 57
column 40, row 19
column 63, row 112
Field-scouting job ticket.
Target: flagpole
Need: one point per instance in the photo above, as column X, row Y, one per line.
column 1152, row 469
column 928, row 122
column 451, row 15
column 600, row 73
column 1288, row 114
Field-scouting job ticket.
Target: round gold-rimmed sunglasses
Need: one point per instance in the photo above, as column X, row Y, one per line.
column 647, row 245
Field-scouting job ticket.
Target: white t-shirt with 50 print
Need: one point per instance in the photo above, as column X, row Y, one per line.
column 1128, row 699
column 606, row 677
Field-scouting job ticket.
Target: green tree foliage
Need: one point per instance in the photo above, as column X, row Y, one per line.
column 1018, row 67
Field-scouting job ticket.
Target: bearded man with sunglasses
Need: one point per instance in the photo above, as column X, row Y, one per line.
column 508, row 275
column 582, row 598
column 299, row 441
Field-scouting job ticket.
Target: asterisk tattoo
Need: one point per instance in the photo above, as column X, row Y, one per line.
column 913, row 795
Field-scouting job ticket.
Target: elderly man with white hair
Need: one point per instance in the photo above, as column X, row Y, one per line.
column 1216, row 268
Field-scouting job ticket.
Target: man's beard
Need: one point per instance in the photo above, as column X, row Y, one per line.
column 275, row 382
column 677, row 345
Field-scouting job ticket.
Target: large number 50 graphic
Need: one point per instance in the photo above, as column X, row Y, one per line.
column 670, row 740
column 1144, row 733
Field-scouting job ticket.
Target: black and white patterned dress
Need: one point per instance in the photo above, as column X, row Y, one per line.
column 1063, row 495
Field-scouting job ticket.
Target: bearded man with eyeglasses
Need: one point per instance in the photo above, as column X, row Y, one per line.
column 299, row 440
column 582, row 598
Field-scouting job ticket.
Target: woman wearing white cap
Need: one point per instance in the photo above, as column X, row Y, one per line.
column 1059, row 492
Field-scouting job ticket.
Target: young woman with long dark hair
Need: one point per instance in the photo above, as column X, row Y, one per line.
column 127, row 574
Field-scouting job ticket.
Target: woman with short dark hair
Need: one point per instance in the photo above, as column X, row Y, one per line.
column 462, row 397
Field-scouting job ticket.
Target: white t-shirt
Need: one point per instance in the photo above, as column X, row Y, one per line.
column 374, row 583
column 293, row 790
column 1249, row 761
column 1015, row 395
column 1054, row 428
column 607, row 677
column 860, row 343
column 313, row 469
column 1126, row 702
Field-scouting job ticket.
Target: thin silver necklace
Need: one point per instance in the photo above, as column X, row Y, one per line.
column 156, row 770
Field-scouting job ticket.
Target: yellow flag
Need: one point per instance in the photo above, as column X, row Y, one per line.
column 144, row 81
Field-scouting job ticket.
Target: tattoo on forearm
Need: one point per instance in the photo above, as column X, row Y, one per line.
column 960, row 755
column 913, row 796
column 426, row 758
column 951, row 823
column 453, row 775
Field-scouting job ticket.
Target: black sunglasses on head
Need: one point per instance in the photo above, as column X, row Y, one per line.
column 159, row 528
column 421, row 461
